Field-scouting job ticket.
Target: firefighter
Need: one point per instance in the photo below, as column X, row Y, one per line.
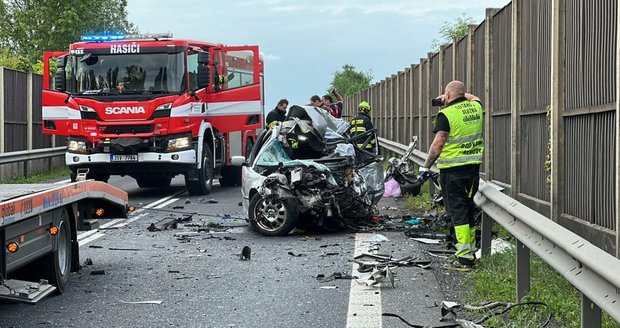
column 220, row 80
column 278, row 114
column 458, row 147
column 362, row 123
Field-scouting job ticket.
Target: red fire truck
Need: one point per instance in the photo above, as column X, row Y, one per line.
column 153, row 107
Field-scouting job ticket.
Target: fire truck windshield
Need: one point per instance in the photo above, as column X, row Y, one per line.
column 127, row 74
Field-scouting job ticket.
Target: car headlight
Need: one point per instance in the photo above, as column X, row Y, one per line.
column 178, row 144
column 76, row 146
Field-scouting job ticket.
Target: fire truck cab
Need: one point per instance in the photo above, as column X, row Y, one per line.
column 153, row 107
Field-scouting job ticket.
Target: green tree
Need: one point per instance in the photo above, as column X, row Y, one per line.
column 457, row 28
column 31, row 27
column 349, row 81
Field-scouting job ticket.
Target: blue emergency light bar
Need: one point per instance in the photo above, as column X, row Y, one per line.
column 103, row 37
column 118, row 37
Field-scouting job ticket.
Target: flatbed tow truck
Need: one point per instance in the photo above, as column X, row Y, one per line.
column 38, row 233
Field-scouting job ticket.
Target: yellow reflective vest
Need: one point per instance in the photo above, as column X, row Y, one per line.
column 465, row 144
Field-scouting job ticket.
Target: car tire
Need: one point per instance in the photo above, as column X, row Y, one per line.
column 272, row 216
column 204, row 182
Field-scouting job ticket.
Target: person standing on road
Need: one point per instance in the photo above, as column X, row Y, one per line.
column 278, row 114
column 334, row 108
column 362, row 123
column 458, row 148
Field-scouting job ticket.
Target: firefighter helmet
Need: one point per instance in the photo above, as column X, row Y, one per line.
column 365, row 106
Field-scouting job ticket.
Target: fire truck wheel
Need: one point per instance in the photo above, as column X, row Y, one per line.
column 204, row 182
column 57, row 265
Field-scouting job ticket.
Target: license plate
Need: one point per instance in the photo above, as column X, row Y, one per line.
column 124, row 158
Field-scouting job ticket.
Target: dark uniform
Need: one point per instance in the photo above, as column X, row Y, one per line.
column 275, row 115
column 360, row 124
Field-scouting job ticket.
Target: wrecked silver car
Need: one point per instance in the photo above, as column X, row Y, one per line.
column 307, row 173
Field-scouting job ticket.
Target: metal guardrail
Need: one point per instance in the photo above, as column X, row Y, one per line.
column 28, row 155
column 595, row 273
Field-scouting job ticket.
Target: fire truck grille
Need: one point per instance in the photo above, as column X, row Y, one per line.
column 126, row 129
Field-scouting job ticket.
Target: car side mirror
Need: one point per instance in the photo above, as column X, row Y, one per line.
column 238, row 161
column 204, row 76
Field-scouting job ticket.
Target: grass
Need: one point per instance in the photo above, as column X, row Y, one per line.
column 40, row 177
column 494, row 280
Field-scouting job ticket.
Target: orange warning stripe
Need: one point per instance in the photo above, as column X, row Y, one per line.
column 32, row 204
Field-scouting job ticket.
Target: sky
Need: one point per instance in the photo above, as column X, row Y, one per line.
column 304, row 42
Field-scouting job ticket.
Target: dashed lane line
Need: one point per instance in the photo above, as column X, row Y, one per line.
column 89, row 236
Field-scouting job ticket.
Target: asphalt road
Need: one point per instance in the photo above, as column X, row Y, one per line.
column 196, row 278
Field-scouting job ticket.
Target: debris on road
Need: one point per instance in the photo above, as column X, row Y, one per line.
column 378, row 238
column 88, row 262
column 336, row 275
column 143, row 302
column 246, row 253
column 178, row 207
column 296, row 255
column 328, row 287
column 163, row 224
column 427, row 240
column 95, row 246
column 384, row 260
column 377, row 277
column 185, row 218
column 124, row 249
column 97, row 273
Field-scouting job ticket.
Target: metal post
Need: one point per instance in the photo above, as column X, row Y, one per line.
column 427, row 106
column 455, row 42
column 515, row 100
column 558, row 13
column 590, row 313
column 442, row 67
column 28, row 121
column 396, row 105
column 486, row 234
column 412, row 84
column 1, row 109
column 421, row 99
column 488, row 93
column 523, row 270
column 469, row 81
column 618, row 136
column 393, row 118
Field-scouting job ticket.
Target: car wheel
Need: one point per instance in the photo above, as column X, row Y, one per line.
column 272, row 216
column 204, row 182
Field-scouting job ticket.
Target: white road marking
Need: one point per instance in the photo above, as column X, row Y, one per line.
column 91, row 235
column 89, row 239
column 162, row 205
column 364, row 302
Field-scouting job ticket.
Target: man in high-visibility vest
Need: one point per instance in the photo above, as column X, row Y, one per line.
column 362, row 123
column 458, row 148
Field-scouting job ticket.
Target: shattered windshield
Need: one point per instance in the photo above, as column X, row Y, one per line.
column 159, row 73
